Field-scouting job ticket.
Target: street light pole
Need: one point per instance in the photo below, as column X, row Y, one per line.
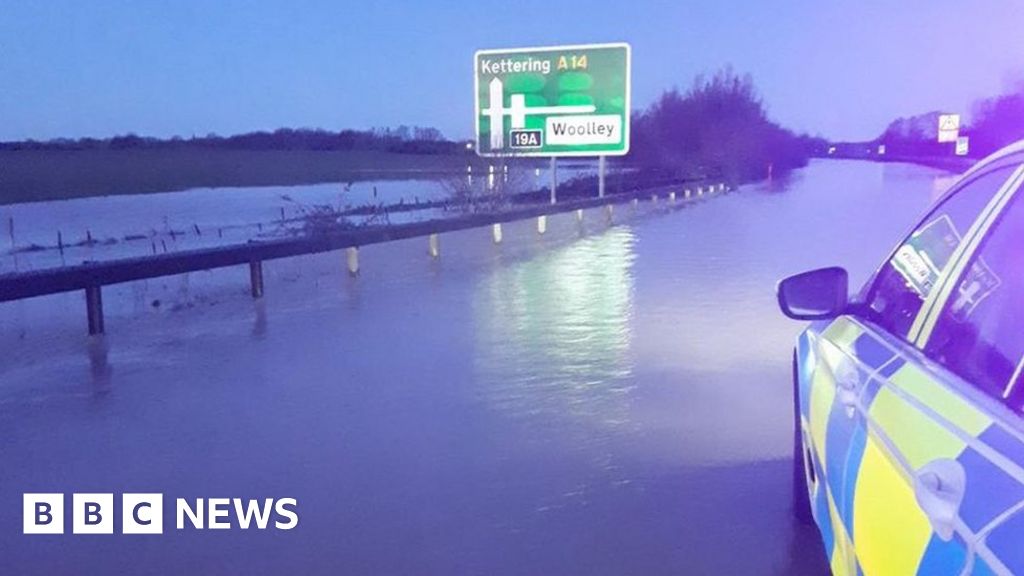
column 554, row 179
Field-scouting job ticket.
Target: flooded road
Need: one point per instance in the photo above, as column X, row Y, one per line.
column 597, row 400
column 41, row 235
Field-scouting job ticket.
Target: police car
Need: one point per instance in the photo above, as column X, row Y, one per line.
column 909, row 443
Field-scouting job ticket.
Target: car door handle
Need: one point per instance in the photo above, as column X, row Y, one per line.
column 939, row 488
column 848, row 388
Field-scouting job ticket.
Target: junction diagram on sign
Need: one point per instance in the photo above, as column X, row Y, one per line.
column 554, row 101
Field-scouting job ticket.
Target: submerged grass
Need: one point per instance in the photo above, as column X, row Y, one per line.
column 37, row 175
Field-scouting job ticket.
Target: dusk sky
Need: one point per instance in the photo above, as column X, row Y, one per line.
column 841, row 69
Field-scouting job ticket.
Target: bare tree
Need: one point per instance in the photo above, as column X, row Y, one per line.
column 490, row 189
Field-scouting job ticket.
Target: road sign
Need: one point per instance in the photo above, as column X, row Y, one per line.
column 949, row 127
column 963, row 146
column 553, row 101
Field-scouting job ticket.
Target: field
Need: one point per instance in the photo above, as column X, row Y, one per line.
column 32, row 175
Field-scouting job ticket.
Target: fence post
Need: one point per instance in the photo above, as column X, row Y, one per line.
column 496, row 232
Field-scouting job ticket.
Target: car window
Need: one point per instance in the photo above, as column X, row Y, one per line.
column 979, row 334
column 904, row 282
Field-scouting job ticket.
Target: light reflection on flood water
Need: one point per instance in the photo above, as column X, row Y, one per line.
column 554, row 333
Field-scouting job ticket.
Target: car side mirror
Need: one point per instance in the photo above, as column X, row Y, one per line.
column 816, row 295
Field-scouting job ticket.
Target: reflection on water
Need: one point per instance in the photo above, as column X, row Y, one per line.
column 782, row 182
column 554, row 331
column 99, row 364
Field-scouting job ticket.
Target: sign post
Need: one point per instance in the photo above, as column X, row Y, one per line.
column 554, row 179
column 553, row 101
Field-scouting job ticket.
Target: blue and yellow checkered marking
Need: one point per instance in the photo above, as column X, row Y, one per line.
column 890, row 532
column 865, row 504
column 871, row 352
column 1007, row 543
column 990, row 491
column 1003, row 442
column 821, row 515
column 943, row 557
column 855, row 453
column 981, row 568
column 805, row 361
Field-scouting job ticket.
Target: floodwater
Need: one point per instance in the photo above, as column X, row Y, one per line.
column 139, row 224
column 40, row 235
column 597, row 400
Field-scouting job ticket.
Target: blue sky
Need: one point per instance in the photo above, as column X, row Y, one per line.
column 839, row 68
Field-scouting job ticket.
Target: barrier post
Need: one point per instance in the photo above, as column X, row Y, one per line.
column 256, row 278
column 352, row 260
column 434, row 246
column 94, row 309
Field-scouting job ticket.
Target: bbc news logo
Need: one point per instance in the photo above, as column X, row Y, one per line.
column 144, row 513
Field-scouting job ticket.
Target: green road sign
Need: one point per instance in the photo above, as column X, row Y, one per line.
column 553, row 101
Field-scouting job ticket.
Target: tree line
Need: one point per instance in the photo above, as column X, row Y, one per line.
column 718, row 128
column 404, row 139
column 992, row 123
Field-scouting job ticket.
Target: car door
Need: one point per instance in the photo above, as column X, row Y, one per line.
column 838, row 359
column 920, row 471
column 976, row 340
column 869, row 438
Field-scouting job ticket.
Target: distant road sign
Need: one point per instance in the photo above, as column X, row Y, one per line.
column 949, row 127
column 963, row 146
column 553, row 101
